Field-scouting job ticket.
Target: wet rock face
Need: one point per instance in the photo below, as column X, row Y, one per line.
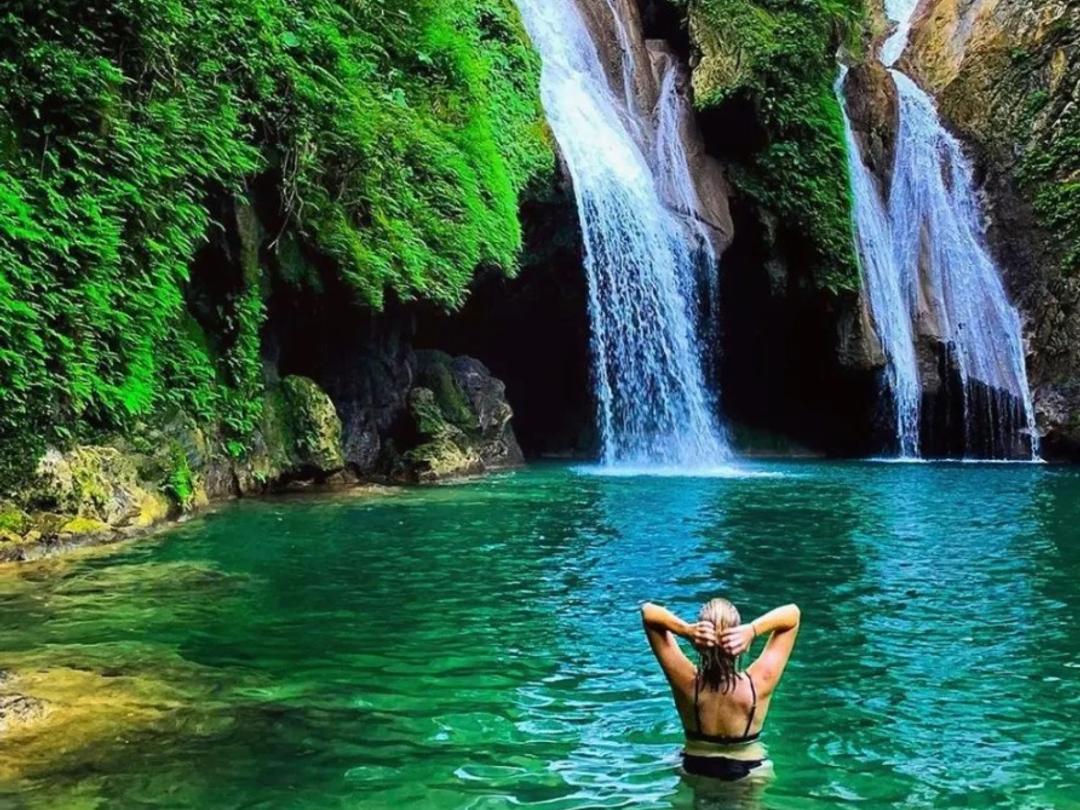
column 94, row 483
column 1005, row 74
column 316, row 428
column 874, row 112
column 652, row 59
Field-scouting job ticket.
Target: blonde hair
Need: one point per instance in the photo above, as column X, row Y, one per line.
column 718, row 670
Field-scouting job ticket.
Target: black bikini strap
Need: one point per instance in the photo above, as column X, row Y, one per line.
column 697, row 707
column 753, row 706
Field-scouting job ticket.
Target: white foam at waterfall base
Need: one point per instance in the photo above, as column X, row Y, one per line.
column 733, row 471
column 655, row 409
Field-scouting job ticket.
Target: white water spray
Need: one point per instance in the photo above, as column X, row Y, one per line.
column 654, row 405
column 926, row 260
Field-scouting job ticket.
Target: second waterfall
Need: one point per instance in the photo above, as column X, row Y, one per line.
column 650, row 267
column 931, row 279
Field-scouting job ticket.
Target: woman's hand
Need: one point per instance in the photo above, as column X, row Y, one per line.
column 703, row 635
column 737, row 640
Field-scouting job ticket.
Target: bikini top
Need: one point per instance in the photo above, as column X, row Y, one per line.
column 720, row 739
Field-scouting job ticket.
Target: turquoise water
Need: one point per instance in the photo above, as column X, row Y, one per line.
column 478, row 645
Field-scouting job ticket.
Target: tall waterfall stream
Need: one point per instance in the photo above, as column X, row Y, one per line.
column 651, row 272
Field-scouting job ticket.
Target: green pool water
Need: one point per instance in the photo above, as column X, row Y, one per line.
column 478, row 645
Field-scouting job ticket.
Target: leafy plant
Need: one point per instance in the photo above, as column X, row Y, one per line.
column 780, row 54
column 396, row 139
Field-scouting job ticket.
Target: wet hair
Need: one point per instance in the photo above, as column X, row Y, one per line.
column 718, row 671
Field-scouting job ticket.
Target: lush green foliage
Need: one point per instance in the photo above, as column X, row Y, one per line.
column 180, row 484
column 398, row 137
column 781, row 55
column 1051, row 171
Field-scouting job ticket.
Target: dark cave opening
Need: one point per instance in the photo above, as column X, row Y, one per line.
column 780, row 376
column 661, row 19
column 533, row 331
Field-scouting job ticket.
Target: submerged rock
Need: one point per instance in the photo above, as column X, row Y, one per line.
column 19, row 710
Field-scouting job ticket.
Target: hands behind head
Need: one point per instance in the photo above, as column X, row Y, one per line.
column 703, row 635
column 737, row 640
column 734, row 641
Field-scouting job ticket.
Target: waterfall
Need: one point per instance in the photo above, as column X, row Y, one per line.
column 642, row 264
column 889, row 293
column 901, row 12
column 672, row 168
column 926, row 264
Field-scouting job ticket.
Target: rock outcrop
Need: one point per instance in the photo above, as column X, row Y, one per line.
column 873, row 108
column 1006, row 74
column 459, row 419
column 653, row 59
column 452, row 419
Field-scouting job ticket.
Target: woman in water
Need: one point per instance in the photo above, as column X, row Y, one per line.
column 722, row 709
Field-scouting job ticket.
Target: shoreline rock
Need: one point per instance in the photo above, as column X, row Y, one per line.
column 456, row 423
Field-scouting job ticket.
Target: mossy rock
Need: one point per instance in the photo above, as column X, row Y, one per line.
column 429, row 418
column 96, row 482
column 300, row 432
column 10, row 538
column 435, row 372
column 84, row 526
column 314, row 425
column 461, row 424
column 13, row 519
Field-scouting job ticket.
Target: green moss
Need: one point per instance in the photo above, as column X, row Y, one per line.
column 312, row 423
column 83, row 525
column 780, row 56
column 445, row 450
column 14, row 520
column 1050, row 173
column 180, row 484
column 436, row 373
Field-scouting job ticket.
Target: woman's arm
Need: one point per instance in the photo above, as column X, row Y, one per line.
column 661, row 627
column 781, row 625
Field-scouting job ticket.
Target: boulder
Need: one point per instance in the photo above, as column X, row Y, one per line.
column 300, row 437
column 97, row 483
column 458, row 421
column 315, row 425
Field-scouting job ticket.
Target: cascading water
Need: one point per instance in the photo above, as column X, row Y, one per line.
column 673, row 172
column 655, row 408
column 889, row 294
column 926, row 263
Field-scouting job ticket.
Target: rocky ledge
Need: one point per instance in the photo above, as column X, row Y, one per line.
column 453, row 420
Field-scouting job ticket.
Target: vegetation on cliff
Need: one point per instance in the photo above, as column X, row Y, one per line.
column 780, row 57
column 396, row 140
